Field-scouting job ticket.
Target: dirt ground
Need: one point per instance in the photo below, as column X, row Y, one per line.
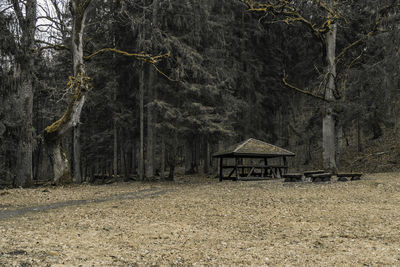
column 199, row 221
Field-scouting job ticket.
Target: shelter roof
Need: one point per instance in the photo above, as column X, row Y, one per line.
column 254, row 148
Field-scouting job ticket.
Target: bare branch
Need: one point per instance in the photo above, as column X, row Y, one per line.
column 324, row 7
column 352, row 45
column 50, row 19
column 163, row 74
column 141, row 56
column 54, row 47
column 18, row 12
column 344, row 81
column 292, row 15
column 302, row 91
column 5, row 9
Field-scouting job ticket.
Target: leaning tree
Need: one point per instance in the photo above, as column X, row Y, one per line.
column 79, row 86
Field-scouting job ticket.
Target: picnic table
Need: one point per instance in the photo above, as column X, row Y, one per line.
column 321, row 176
column 252, row 171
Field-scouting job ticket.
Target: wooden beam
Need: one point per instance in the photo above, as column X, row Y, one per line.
column 230, row 174
column 241, row 163
column 273, row 173
column 250, row 172
column 236, row 168
column 259, row 166
column 285, row 163
column 308, row 173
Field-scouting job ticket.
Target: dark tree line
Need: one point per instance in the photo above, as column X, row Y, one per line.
column 145, row 87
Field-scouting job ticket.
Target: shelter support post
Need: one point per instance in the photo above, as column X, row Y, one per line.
column 265, row 170
column 236, row 168
column 285, row 163
column 241, row 163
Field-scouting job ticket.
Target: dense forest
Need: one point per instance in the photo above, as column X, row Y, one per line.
column 138, row 89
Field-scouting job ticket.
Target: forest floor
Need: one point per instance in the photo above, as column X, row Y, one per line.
column 197, row 220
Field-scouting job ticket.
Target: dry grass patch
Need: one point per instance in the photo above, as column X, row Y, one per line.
column 197, row 221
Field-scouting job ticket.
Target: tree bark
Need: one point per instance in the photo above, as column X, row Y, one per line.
column 359, row 140
column 115, row 144
column 150, row 135
column 24, row 173
column 141, row 111
column 189, row 156
column 77, row 155
column 150, row 123
column 206, row 156
column 162, row 167
column 328, row 121
column 172, row 157
column 79, row 85
column 123, row 162
column 133, row 162
column 339, row 143
column 25, row 62
column 196, row 156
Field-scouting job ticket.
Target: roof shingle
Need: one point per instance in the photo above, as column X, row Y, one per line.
column 253, row 148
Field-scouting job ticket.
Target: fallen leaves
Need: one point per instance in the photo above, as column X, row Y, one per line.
column 199, row 221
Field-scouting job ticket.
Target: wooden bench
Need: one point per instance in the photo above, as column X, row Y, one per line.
column 308, row 173
column 321, row 177
column 344, row 176
column 293, row 177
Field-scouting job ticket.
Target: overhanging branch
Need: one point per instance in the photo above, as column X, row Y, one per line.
column 302, row 91
column 291, row 14
column 352, row 45
column 140, row 56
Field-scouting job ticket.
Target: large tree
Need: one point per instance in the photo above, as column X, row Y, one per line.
column 17, row 45
column 79, row 86
column 322, row 19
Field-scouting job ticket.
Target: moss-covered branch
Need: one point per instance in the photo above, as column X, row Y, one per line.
column 302, row 90
column 140, row 56
column 79, row 85
column 291, row 14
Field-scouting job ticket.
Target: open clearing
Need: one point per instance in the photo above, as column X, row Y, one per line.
column 197, row 221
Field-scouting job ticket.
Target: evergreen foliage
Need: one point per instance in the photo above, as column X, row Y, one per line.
column 221, row 83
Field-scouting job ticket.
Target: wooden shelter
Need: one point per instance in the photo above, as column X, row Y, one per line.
column 253, row 149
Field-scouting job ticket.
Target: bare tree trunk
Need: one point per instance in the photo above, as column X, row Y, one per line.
column 58, row 160
column 25, row 62
column 162, row 167
column 150, row 123
column 172, row 157
column 123, row 162
column 196, row 156
column 84, row 171
column 115, row 145
column 328, row 121
column 150, row 134
column 359, row 141
column 77, row 155
column 206, row 149
column 188, row 156
column 133, row 165
column 339, row 143
column 141, row 108
column 55, row 132
column 24, row 174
